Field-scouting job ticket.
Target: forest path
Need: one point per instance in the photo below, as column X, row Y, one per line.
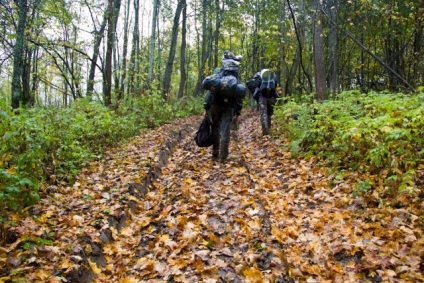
column 159, row 209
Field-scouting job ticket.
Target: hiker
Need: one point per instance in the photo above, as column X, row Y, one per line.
column 266, row 94
column 252, row 85
column 223, row 102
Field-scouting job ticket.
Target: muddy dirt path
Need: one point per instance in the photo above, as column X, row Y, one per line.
column 203, row 220
column 159, row 209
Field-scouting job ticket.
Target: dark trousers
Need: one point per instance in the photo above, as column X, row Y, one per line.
column 266, row 109
column 221, row 117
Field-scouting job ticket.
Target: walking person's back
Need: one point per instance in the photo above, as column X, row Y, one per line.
column 266, row 94
column 223, row 103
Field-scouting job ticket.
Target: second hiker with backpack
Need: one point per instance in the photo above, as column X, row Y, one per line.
column 266, row 94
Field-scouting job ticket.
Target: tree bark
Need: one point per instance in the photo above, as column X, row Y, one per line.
column 418, row 43
column 18, row 54
column 152, row 40
column 108, row 59
column 318, row 42
column 113, row 7
column 96, row 51
column 333, row 46
column 132, row 80
column 183, row 70
column 170, row 62
column 124, row 52
column 218, row 20
column 300, row 42
column 204, row 56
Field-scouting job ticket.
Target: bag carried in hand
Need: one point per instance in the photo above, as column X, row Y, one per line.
column 203, row 137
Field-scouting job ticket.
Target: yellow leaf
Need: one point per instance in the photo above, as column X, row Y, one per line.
column 386, row 129
column 188, row 181
column 338, row 268
column 11, row 170
column 66, row 264
column 43, row 218
column 128, row 280
column 42, row 274
column 94, row 267
column 253, row 275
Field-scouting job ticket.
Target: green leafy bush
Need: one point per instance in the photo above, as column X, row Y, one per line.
column 53, row 143
column 378, row 133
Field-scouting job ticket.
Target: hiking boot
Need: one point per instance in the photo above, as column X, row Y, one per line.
column 215, row 156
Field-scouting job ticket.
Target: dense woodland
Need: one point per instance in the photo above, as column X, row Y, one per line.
column 77, row 77
column 142, row 63
column 54, row 52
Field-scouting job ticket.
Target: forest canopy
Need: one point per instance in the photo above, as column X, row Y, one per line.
column 53, row 52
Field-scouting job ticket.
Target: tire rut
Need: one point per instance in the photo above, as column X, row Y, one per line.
column 203, row 221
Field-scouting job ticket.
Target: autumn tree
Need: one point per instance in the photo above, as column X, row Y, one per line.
column 98, row 36
column 18, row 54
column 113, row 8
column 173, row 45
column 318, row 42
column 153, row 39
column 183, row 69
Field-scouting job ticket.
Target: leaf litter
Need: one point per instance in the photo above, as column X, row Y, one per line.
column 159, row 209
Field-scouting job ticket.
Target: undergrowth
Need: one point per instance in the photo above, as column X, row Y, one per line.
column 52, row 144
column 377, row 136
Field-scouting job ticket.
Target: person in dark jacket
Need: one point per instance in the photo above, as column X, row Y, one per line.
column 252, row 85
column 221, row 110
column 266, row 94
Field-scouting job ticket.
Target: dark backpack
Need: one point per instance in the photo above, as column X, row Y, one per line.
column 228, row 86
column 268, row 85
column 203, row 137
column 254, row 82
column 212, row 83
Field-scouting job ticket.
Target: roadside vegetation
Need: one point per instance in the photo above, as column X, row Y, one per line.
column 374, row 139
column 51, row 144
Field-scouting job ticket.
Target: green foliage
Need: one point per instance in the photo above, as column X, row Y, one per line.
column 361, row 188
column 52, row 144
column 375, row 133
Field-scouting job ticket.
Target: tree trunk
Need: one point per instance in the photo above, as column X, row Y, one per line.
column 18, row 54
column 124, row 52
column 183, row 70
column 300, row 39
column 132, row 81
column 152, row 40
column 218, row 20
column 35, row 78
column 116, row 67
column 282, row 70
column 28, row 97
column 418, row 43
column 108, row 59
column 98, row 35
column 332, row 7
column 318, row 42
column 170, row 62
column 204, row 50
column 113, row 7
column 292, row 72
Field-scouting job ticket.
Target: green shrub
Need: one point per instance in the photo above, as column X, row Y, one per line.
column 41, row 143
column 379, row 133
